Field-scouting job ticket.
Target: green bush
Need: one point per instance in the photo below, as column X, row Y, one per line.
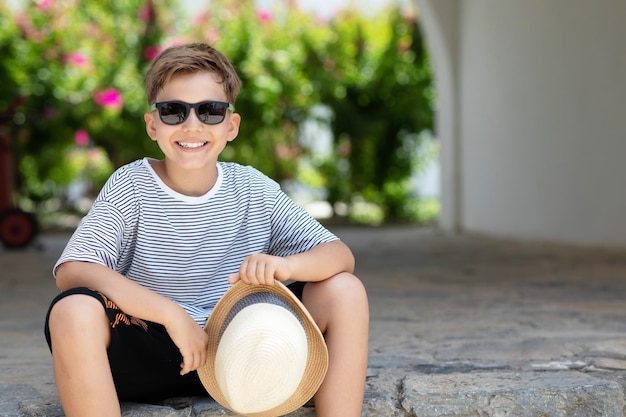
column 73, row 99
column 374, row 74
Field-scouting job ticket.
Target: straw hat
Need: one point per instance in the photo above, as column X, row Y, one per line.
column 266, row 355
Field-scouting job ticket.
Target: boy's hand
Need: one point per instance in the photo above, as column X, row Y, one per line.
column 191, row 340
column 260, row 268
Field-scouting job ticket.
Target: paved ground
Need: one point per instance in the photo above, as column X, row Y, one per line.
column 460, row 326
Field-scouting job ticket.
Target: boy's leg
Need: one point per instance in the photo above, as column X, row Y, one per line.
column 102, row 355
column 80, row 334
column 340, row 308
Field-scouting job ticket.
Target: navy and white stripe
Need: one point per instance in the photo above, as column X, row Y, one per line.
column 183, row 247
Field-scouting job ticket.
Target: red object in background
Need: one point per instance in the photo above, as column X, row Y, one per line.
column 17, row 228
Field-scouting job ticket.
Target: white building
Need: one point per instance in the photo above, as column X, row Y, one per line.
column 531, row 117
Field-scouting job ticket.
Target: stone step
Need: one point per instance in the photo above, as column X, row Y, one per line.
column 392, row 394
column 497, row 394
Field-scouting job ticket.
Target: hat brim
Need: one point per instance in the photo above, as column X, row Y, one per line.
column 317, row 359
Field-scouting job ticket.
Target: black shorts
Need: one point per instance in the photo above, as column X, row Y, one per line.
column 144, row 360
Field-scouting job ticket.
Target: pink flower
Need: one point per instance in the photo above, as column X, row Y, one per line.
column 211, row 36
column 27, row 30
column 321, row 21
column 45, row 5
column 174, row 42
column 76, row 58
column 151, row 52
column 95, row 154
column 109, row 98
column 264, row 16
column 22, row 21
column 81, row 138
column 147, row 12
column 200, row 19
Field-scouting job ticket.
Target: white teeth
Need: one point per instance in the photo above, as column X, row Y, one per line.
column 191, row 145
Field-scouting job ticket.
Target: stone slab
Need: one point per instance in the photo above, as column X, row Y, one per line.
column 21, row 400
column 504, row 394
column 12, row 395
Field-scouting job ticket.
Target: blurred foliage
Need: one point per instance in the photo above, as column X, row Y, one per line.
column 73, row 97
column 374, row 75
column 79, row 68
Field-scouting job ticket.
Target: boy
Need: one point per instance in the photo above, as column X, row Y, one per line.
column 166, row 238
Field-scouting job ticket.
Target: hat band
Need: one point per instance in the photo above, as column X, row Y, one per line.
column 257, row 298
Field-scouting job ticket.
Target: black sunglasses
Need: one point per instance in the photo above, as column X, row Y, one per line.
column 176, row 112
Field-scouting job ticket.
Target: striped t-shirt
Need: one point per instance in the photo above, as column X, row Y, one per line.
column 183, row 247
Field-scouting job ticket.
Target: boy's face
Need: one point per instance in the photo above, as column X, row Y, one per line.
column 192, row 144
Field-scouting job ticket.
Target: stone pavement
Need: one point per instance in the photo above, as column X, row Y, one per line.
column 460, row 326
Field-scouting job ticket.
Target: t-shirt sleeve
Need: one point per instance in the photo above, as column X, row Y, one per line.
column 294, row 230
column 97, row 239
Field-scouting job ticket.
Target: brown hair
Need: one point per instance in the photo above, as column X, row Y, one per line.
column 187, row 59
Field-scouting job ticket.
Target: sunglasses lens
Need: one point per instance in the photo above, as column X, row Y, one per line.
column 173, row 113
column 209, row 112
column 212, row 113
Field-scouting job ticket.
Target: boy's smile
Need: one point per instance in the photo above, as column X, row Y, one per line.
column 192, row 145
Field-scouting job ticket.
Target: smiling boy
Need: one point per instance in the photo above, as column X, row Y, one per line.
column 166, row 238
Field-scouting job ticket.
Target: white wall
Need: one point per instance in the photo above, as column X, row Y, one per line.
column 440, row 22
column 541, row 114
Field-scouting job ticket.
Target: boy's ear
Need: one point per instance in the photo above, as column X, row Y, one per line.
column 233, row 126
column 150, row 125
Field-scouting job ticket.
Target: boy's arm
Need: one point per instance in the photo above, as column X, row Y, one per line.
column 317, row 264
column 138, row 301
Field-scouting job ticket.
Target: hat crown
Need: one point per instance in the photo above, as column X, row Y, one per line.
column 267, row 378
column 261, row 357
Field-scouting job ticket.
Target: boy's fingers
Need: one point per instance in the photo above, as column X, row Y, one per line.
column 270, row 276
column 188, row 363
column 187, row 366
column 260, row 272
column 203, row 358
column 184, row 368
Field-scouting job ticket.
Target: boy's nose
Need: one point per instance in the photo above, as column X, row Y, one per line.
column 193, row 119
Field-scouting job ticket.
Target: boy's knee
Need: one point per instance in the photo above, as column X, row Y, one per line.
column 346, row 284
column 344, row 287
column 74, row 312
column 340, row 300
